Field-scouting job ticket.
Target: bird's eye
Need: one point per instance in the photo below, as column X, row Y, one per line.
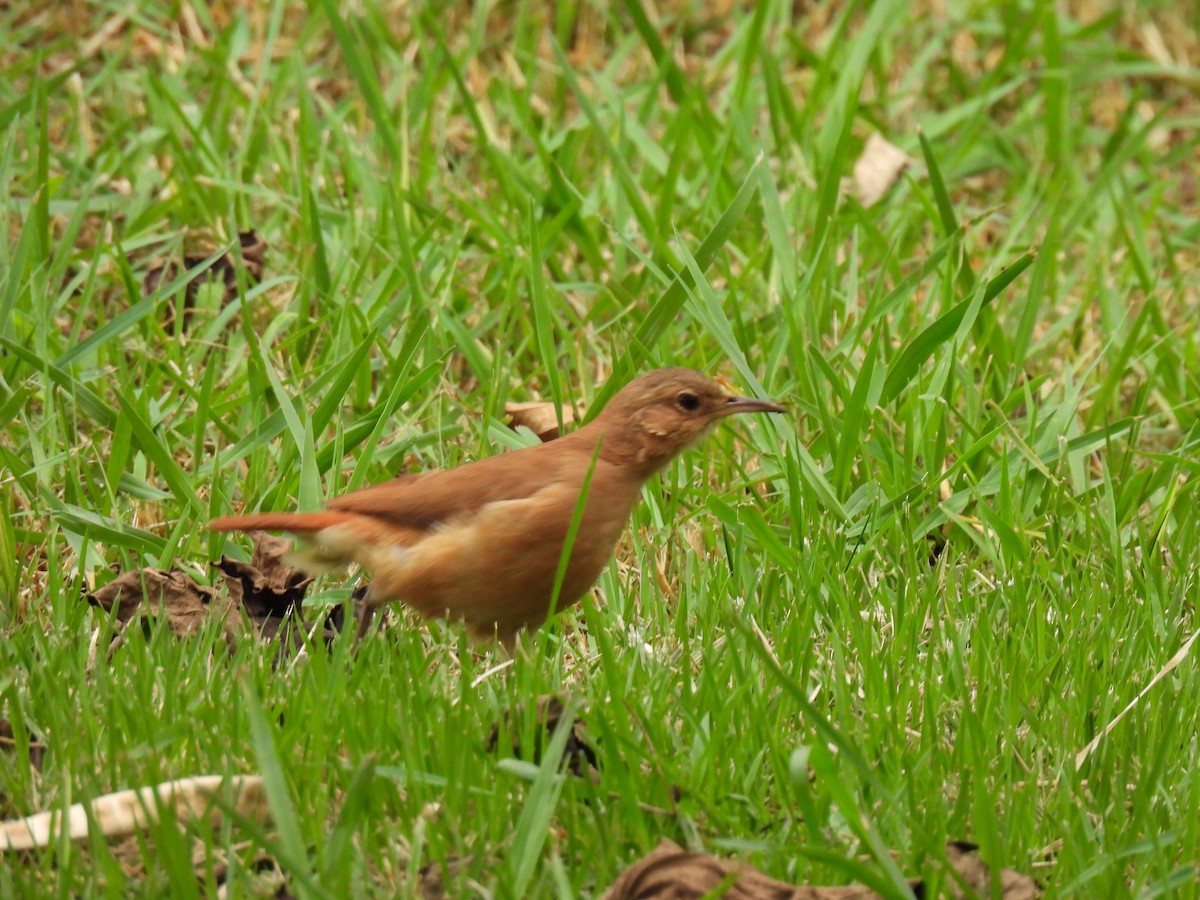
column 688, row 402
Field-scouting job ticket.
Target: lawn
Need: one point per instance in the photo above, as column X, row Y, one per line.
column 950, row 595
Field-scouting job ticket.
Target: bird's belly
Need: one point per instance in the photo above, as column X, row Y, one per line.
column 498, row 570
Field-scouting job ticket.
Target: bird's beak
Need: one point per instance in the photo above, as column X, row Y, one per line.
column 749, row 405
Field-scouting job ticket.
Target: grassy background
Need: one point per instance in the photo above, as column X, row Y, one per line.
column 891, row 619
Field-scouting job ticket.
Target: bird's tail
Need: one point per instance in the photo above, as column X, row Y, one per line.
column 299, row 523
column 318, row 552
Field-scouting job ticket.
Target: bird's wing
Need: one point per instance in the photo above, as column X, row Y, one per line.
column 428, row 499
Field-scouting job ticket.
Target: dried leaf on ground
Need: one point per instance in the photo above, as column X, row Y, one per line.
column 877, row 169
column 224, row 271
column 151, row 593
column 335, row 621
column 129, row 812
column 670, row 873
column 540, row 417
column 977, row 876
column 578, row 754
column 271, row 591
column 267, row 586
column 8, row 744
column 432, row 877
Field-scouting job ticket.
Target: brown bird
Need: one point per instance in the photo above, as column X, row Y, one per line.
column 482, row 542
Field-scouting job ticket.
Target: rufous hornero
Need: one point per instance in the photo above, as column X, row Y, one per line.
column 482, row 542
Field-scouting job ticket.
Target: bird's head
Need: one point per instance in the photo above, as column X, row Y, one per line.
column 661, row 413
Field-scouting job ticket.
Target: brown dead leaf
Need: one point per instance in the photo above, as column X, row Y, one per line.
column 224, row 271
column 877, row 169
column 150, row 593
column 432, row 877
column 977, row 876
column 578, row 755
column 540, row 417
column 336, row 620
column 8, row 744
column 271, row 592
column 670, row 873
column 266, row 587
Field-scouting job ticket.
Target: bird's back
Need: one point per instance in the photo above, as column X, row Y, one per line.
column 428, row 499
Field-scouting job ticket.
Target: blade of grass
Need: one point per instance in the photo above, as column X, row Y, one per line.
column 157, row 451
column 920, row 348
column 532, row 826
column 670, row 303
column 543, row 329
column 292, row 851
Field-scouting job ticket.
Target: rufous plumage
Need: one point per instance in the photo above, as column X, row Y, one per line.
column 482, row 542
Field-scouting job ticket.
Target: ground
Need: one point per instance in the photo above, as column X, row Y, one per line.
column 950, row 596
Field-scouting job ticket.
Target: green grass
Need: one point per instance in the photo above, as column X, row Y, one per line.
column 996, row 366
